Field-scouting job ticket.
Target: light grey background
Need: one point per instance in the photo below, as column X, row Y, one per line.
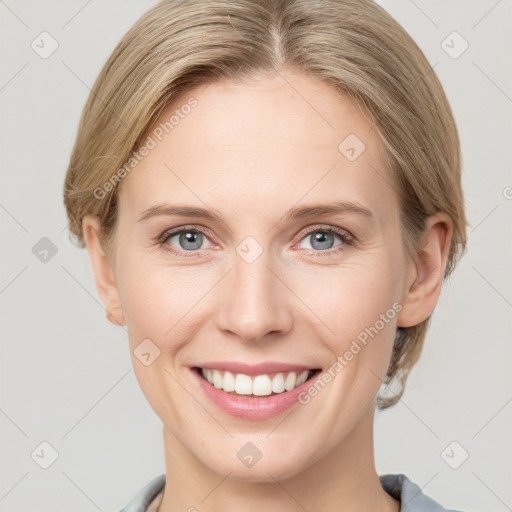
column 66, row 374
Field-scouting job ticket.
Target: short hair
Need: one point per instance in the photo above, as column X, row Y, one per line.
column 354, row 45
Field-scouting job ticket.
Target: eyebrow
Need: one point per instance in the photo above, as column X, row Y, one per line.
column 298, row 212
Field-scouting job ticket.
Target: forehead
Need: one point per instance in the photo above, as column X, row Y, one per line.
column 274, row 138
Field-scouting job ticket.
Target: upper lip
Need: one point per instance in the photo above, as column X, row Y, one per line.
column 254, row 369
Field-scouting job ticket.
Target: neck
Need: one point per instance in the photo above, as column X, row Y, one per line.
column 344, row 480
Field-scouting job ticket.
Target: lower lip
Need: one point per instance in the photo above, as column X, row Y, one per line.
column 252, row 407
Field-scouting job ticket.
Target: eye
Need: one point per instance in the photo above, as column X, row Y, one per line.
column 189, row 241
column 184, row 240
column 323, row 239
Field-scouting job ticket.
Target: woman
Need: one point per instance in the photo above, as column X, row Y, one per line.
column 270, row 195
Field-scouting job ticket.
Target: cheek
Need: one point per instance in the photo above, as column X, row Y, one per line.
column 157, row 305
column 159, row 302
column 356, row 306
column 152, row 303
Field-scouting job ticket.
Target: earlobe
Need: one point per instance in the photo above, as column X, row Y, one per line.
column 425, row 274
column 103, row 271
column 115, row 319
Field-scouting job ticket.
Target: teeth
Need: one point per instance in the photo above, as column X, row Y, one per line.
column 229, row 382
column 303, row 377
column 290, row 380
column 243, row 384
column 217, row 379
column 260, row 385
column 278, row 383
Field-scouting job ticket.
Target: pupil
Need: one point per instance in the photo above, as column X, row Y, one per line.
column 321, row 236
column 190, row 237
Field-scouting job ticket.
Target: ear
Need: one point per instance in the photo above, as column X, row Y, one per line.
column 103, row 271
column 426, row 271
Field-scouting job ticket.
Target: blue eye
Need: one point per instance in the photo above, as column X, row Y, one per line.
column 189, row 241
column 322, row 239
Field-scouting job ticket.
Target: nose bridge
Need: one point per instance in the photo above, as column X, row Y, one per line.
column 255, row 304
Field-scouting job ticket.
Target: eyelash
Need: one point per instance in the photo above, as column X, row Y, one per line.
column 346, row 238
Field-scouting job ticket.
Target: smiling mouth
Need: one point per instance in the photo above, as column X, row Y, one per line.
column 265, row 384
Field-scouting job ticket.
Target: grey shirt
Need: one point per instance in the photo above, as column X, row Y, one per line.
column 398, row 486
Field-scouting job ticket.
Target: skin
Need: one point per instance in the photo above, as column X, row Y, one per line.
column 252, row 151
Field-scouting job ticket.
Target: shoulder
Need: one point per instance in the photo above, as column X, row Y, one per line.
column 148, row 497
column 410, row 495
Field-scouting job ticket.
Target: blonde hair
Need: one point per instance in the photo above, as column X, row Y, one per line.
column 355, row 45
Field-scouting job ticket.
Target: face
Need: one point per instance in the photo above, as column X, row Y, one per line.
column 298, row 264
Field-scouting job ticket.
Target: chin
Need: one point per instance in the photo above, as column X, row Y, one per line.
column 266, row 469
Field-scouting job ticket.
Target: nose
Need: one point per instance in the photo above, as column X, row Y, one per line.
column 254, row 301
